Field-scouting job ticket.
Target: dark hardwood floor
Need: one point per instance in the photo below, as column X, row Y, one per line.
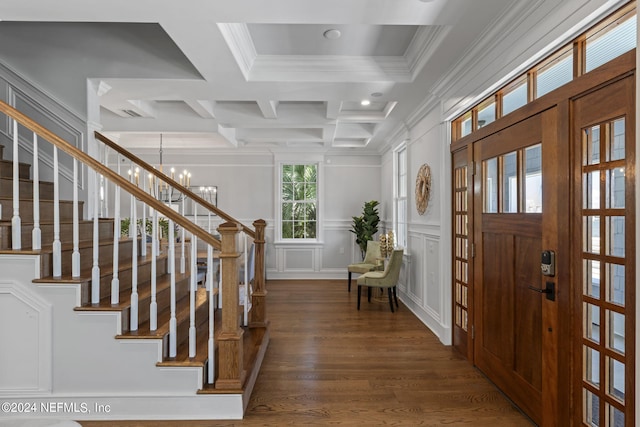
column 329, row 364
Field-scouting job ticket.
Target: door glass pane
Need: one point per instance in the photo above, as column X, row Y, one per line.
column 592, row 322
column 616, row 331
column 510, row 183
column 491, row 185
column 591, row 414
column 592, row 145
column 515, row 98
column 615, row 188
column 592, row 366
column 616, row 148
column 592, row 278
column 533, row 179
column 615, row 236
column 555, row 74
column 610, row 43
column 592, row 190
column 616, row 417
column 592, row 234
column 616, row 382
column 615, row 282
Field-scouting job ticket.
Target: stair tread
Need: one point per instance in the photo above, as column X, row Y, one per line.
column 86, row 274
column 162, row 283
column 202, row 346
column 182, row 313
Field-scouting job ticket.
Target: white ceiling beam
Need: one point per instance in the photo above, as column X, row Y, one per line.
column 203, row 108
column 269, row 108
column 333, row 109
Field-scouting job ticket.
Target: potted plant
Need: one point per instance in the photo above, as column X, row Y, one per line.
column 365, row 226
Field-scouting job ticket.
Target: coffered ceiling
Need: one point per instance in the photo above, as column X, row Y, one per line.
column 250, row 74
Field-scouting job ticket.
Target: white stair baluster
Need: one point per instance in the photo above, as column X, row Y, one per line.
column 16, row 223
column 182, row 255
column 95, row 270
column 75, row 257
column 172, row 321
column 115, row 280
column 153, row 306
column 143, row 227
column 105, row 186
column 209, row 279
column 134, row 265
column 56, row 246
column 36, row 233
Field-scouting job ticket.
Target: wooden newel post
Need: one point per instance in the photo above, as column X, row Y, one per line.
column 259, row 309
column 231, row 373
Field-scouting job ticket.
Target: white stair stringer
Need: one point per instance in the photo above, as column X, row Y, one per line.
column 83, row 371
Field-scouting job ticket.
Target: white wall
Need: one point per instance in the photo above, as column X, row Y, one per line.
column 425, row 289
column 247, row 184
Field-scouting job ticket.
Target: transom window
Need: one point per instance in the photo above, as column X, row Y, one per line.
column 611, row 38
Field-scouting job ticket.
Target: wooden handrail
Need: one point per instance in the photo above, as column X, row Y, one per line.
column 111, row 175
column 184, row 190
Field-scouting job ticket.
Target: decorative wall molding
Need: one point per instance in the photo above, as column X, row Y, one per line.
column 50, row 113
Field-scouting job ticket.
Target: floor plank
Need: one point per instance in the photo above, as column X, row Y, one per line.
column 329, row 364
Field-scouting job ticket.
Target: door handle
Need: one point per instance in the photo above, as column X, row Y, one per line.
column 549, row 290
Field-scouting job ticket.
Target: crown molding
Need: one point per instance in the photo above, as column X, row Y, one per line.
column 504, row 25
column 423, row 45
column 329, row 68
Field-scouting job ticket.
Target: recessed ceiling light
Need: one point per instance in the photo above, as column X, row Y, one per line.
column 332, row 34
column 376, row 94
column 365, row 102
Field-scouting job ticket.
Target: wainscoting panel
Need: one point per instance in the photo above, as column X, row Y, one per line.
column 416, row 286
column 27, row 331
column 299, row 259
column 423, row 293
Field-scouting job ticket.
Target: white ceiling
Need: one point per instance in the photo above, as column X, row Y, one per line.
column 249, row 74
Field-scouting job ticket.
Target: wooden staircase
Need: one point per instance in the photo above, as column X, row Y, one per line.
column 248, row 344
column 105, row 262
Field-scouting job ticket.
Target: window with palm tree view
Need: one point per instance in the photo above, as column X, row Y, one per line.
column 299, row 200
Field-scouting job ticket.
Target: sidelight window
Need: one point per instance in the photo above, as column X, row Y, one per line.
column 603, row 276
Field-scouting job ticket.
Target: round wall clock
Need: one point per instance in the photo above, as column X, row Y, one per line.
column 423, row 188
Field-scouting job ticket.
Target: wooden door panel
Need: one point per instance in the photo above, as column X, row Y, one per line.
column 497, row 297
column 508, row 321
column 528, row 309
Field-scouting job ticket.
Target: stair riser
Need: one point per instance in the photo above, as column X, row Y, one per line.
column 26, row 189
column 6, row 169
column 125, row 274
column 163, row 300
column 85, row 229
column 182, row 327
column 46, row 210
column 105, row 257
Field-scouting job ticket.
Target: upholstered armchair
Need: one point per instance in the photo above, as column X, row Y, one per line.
column 369, row 263
column 383, row 279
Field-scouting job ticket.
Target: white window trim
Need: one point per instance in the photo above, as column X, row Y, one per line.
column 299, row 159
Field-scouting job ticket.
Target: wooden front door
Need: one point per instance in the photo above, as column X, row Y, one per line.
column 509, row 183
